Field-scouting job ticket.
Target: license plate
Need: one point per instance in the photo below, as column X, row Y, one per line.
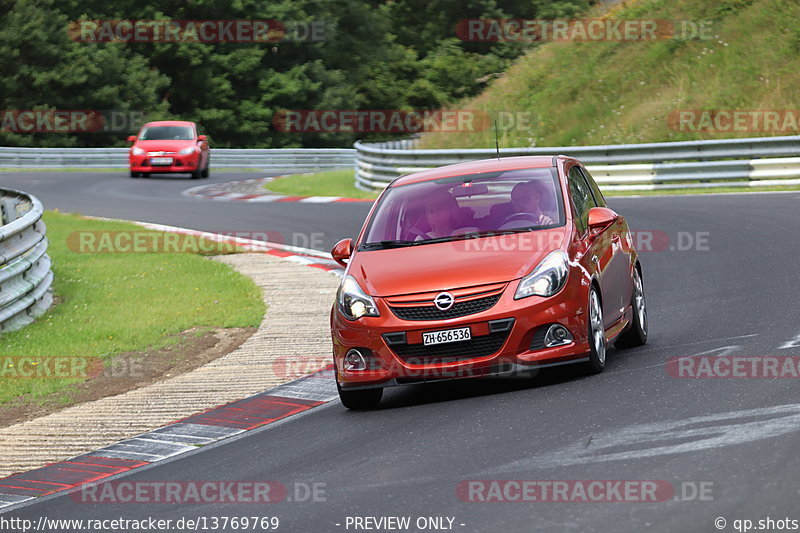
column 166, row 161
column 447, row 335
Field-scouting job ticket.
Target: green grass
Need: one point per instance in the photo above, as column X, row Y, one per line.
column 589, row 93
column 330, row 183
column 111, row 303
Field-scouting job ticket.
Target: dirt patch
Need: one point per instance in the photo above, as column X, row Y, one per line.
column 127, row 371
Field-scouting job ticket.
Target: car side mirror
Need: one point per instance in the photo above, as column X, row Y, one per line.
column 132, row 138
column 342, row 251
column 201, row 138
column 600, row 218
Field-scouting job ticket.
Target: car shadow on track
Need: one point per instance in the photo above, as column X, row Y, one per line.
column 166, row 177
column 462, row 389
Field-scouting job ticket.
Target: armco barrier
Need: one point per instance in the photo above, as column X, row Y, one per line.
column 653, row 166
column 272, row 160
column 25, row 275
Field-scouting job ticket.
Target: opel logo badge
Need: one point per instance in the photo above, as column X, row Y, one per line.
column 444, row 301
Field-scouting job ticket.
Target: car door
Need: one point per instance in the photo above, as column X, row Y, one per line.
column 203, row 146
column 618, row 279
column 594, row 251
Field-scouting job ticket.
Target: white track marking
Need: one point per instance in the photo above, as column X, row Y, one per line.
column 669, row 437
column 794, row 343
column 723, row 350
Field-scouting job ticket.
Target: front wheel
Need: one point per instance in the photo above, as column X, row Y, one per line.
column 362, row 399
column 636, row 335
column 205, row 172
column 597, row 335
column 135, row 174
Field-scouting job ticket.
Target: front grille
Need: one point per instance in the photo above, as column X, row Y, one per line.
column 431, row 312
column 453, row 351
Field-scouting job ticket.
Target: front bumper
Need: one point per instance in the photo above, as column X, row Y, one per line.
column 180, row 163
column 490, row 352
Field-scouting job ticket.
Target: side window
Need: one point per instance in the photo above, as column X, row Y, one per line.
column 598, row 195
column 582, row 198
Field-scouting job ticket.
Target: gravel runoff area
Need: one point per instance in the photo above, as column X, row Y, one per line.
column 293, row 339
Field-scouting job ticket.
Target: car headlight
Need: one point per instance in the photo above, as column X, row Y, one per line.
column 137, row 151
column 353, row 301
column 547, row 278
column 188, row 150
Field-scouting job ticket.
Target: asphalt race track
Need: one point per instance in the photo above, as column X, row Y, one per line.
column 158, row 199
column 738, row 439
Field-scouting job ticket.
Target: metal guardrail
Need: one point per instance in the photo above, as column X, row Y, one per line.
column 25, row 275
column 273, row 160
column 652, row 166
column 688, row 164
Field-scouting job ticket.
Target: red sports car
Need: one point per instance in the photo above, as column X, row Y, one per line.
column 495, row 267
column 169, row 146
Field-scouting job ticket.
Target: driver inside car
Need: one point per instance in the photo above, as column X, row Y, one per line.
column 442, row 217
column 525, row 200
column 440, row 212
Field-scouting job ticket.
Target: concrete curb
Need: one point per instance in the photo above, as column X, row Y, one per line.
column 252, row 190
column 99, row 439
column 169, row 441
column 295, row 254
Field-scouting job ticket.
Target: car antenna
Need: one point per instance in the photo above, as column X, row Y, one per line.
column 496, row 140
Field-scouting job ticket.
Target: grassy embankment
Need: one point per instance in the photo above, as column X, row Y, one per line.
column 115, row 303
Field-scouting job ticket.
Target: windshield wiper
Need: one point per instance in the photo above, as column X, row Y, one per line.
column 389, row 244
column 495, row 232
column 463, row 236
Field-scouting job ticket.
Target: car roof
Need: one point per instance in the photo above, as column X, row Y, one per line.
column 475, row 167
column 170, row 123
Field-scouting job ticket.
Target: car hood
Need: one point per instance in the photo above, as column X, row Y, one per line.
column 164, row 146
column 451, row 265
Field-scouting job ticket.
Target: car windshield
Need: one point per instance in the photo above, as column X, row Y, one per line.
column 466, row 206
column 162, row 133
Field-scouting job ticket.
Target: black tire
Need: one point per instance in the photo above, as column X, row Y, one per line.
column 135, row 174
column 362, row 399
column 636, row 334
column 196, row 174
column 597, row 339
column 205, row 172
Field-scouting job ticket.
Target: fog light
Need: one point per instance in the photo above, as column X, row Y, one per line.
column 354, row 361
column 557, row 335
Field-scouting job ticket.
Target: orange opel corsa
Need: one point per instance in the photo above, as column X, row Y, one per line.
column 488, row 268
